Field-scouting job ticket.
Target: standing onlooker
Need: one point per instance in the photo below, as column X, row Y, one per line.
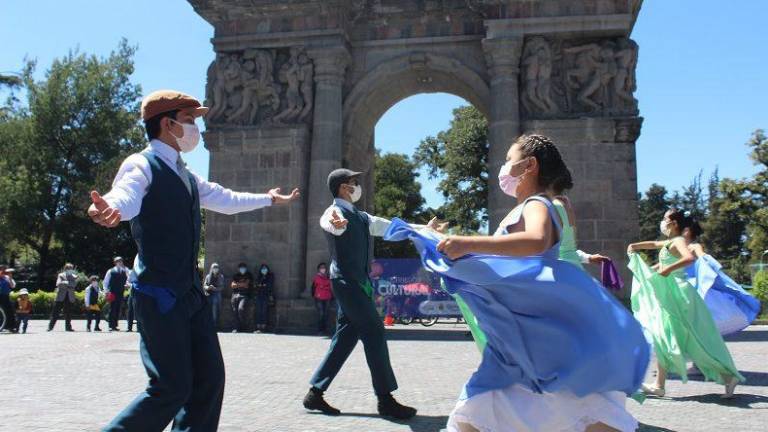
column 6, row 285
column 23, row 310
column 322, row 293
column 92, row 308
column 132, row 279
column 264, row 283
column 66, row 283
column 114, row 283
column 242, row 292
column 213, row 284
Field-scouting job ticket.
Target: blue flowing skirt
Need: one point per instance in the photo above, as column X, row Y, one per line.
column 549, row 325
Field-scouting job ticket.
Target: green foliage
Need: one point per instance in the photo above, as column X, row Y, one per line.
column 460, row 156
column 651, row 211
column 397, row 194
column 760, row 289
column 66, row 139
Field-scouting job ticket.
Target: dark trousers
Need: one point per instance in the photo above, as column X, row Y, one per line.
column 130, row 313
column 240, row 310
column 357, row 319
column 22, row 321
column 92, row 316
column 181, row 354
column 262, row 311
column 10, row 313
column 322, row 309
column 114, row 311
column 57, row 308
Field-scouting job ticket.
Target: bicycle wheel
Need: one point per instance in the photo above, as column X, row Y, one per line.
column 3, row 319
column 405, row 320
column 428, row 321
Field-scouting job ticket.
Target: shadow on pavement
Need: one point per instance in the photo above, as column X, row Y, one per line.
column 417, row 334
column 741, row 400
column 650, row 428
column 420, row 423
column 748, row 336
column 757, row 379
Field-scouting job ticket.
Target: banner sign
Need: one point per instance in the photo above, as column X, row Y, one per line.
column 402, row 288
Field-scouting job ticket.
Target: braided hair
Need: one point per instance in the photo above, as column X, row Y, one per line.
column 553, row 173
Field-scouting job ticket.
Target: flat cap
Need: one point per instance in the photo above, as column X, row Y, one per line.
column 162, row 101
column 338, row 177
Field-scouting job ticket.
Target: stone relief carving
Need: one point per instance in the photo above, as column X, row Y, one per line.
column 563, row 78
column 259, row 86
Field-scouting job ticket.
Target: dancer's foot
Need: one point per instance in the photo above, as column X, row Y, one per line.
column 730, row 387
column 314, row 401
column 97, row 329
column 652, row 390
column 389, row 407
column 70, row 329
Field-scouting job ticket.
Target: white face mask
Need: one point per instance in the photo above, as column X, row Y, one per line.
column 190, row 139
column 215, row 271
column 357, row 192
column 664, row 228
column 242, row 270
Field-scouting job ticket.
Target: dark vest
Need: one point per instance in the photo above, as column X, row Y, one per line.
column 93, row 298
column 167, row 231
column 349, row 251
column 117, row 280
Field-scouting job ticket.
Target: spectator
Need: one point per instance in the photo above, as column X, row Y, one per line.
column 6, row 285
column 66, row 283
column 213, row 284
column 264, row 297
column 92, row 309
column 115, row 282
column 132, row 279
column 322, row 293
column 242, row 293
column 23, row 310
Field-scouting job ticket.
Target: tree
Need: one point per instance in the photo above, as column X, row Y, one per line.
column 692, row 199
column 69, row 136
column 651, row 209
column 398, row 194
column 459, row 156
column 756, row 193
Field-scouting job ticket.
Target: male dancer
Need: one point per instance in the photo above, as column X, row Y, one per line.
column 349, row 231
column 115, row 281
column 162, row 201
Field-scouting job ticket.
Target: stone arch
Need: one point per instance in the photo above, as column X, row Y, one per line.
column 396, row 79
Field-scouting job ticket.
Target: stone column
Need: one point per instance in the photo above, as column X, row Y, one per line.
column 326, row 152
column 503, row 57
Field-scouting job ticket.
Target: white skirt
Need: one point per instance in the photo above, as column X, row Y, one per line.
column 518, row 409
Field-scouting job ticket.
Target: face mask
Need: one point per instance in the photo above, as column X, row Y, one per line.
column 322, row 271
column 357, row 192
column 94, row 284
column 264, row 271
column 242, row 270
column 508, row 183
column 190, row 139
column 664, row 228
column 215, row 271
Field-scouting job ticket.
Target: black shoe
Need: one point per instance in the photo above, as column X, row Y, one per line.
column 88, row 329
column 129, row 329
column 69, row 329
column 50, row 329
column 389, row 407
column 314, row 401
column 97, row 329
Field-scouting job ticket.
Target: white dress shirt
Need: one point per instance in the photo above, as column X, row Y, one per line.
column 377, row 227
column 108, row 276
column 135, row 175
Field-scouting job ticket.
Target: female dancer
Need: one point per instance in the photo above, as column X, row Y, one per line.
column 561, row 352
column 674, row 314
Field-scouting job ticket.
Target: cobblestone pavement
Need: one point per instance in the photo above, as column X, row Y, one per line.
column 78, row 381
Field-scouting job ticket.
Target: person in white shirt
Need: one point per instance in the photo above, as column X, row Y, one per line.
column 162, row 200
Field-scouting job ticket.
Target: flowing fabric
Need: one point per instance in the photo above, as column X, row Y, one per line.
column 568, row 246
column 549, row 326
column 733, row 309
column 677, row 321
column 609, row 276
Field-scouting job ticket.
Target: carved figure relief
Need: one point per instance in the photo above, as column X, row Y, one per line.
column 248, row 88
column 563, row 78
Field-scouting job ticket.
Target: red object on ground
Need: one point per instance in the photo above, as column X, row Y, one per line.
column 389, row 320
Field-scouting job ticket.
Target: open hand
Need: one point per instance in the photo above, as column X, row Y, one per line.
column 337, row 221
column 436, row 226
column 631, row 248
column 101, row 213
column 277, row 198
column 453, row 247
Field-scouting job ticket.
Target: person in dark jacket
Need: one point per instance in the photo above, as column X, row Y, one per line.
column 92, row 308
column 213, row 284
column 242, row 296
column 263, row 286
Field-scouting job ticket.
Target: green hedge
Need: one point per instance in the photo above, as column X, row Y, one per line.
column 42, row 302
column 760, row 289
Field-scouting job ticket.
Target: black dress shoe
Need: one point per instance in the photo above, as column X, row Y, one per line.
column 314, row 401
column 389, row 407
column 69, row 329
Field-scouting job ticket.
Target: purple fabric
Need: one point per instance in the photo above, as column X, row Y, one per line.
column 610, row 276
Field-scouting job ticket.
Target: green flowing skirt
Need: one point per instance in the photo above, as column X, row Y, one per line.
column 679, row 323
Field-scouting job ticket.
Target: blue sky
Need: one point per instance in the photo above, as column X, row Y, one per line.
column 702, row 74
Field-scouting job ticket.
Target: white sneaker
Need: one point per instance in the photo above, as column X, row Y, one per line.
column 652, row 390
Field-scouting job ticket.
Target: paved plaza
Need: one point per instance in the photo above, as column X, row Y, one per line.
column 77, row 381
